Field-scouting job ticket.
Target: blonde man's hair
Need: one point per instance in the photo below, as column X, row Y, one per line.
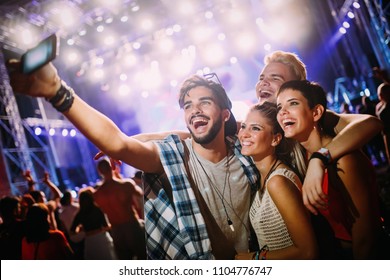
column 298, row 68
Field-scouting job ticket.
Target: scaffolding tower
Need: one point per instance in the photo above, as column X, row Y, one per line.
column 22, row 149
column 15, row 150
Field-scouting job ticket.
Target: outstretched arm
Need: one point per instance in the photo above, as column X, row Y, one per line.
column 30, row 180
column 145, row 137
column 56, row 193
column 352, row 132
column 99, row 129
column 151, row 136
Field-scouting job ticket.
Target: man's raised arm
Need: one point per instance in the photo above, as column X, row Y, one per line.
column 99, row 129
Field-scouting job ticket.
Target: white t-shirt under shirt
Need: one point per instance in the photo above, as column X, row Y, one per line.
column 225, row 179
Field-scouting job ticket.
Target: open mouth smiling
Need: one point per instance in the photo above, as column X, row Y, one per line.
column 265, row 94
column 287, row 123
column 199, row 121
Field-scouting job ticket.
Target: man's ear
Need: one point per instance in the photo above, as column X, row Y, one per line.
column 318, row 111
column 277, row 139
column 226, row 115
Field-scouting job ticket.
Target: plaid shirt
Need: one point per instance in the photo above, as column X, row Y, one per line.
column 178, row 231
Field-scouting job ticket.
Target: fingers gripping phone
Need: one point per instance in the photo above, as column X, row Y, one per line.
column 40, row 55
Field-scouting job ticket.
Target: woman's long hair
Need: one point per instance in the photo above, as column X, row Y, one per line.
column 288, row 151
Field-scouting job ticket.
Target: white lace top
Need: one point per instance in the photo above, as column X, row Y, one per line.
column 266, row 220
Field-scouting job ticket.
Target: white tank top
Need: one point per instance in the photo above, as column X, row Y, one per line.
column 266, row 219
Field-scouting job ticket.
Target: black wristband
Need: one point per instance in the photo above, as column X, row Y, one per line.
column 67, row 103
column 325, row 160
column 59, row 95
column 63, row 99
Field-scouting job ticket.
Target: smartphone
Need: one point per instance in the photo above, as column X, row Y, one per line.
column 40, row 55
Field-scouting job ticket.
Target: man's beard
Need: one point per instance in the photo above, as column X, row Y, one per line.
column 210, row 136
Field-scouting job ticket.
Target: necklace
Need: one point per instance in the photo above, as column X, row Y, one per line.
column 221, row 195
column 271, row 170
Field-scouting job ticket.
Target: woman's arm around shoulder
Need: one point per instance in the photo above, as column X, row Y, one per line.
column 351, row 131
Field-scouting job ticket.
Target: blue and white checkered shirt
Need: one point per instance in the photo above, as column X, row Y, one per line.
column 178, row 231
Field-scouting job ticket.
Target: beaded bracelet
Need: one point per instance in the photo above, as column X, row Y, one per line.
column 265, row 249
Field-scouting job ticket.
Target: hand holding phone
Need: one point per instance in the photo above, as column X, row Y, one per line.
column 40, row 55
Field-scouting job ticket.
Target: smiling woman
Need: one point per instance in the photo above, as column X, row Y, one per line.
column 350, row 181
column 277, row 214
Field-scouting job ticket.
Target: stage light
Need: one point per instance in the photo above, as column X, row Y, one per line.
column 346, row 24
column 209, row 15
column 233, row 60
column 65, row 132
column 82, row 32
column 38, row 131
column 71, row 56
column 100, row 28
column 99, row 61
column 70, row 42
column 123, row 77
column 356, row 5
column 206, row 70
column 351, row 15
column 342, row 30
column 52, row 131
column 177, row 28
column 136, row 45
column 259, row 21
column 135, row 8
column 72, row 132
column 124, row 18
column 169, row 31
